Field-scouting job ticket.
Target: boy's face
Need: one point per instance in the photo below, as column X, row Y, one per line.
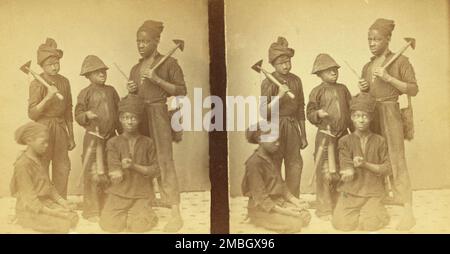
column 378, row 42
column 39, row 143
column 146, row 44
column 129, row 121
column 361, row 120
column 329, row 75
column 51, row 66
column 97, row 77
column 283, row 67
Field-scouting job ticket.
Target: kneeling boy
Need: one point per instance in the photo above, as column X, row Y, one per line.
column 364, row 163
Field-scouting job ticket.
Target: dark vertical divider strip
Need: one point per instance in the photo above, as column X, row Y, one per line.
column 218, row 151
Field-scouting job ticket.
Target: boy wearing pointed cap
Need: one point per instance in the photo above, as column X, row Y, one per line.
column 39, row 205
column 96, row 109
column 44, row 107
column 154, row 87
column 328, row 109
column 270, row 205
column 132, row 163
column 291, row 113
column 386, row 85
column 364, row 162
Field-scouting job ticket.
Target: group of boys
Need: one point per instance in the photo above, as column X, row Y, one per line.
column 351, row 161
column 119, row 162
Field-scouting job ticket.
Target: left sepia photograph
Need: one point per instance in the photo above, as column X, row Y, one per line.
column 95, row 115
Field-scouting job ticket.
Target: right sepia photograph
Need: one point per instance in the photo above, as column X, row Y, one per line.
column 337, row 116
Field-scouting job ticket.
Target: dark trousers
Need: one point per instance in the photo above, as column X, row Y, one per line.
column 289, row 152
column 157, row 126
column 93, row 192
column 42, row 222
column 388, row 123
column 326, row 194
column 58, row 153
column 359, row 213
column 127, row 214
column 278, row 222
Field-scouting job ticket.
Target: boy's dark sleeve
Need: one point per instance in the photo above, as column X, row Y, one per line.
column 257, row 190
column 81, row 108
column 26, row 189
column 153, row 159
column 312, row 108
column 268, row 90
column 301, row 101
column 408, row 75
column 345, row 155
column 113, row 156
column 68, row 114
column 36, row 94
column 348, row 98
column 177, row 78
column 116, row 100
column 385, row 167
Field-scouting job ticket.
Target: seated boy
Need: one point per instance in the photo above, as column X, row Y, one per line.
column 132, row 164
column 270, row 203
column 364, row 163
column 39, row 205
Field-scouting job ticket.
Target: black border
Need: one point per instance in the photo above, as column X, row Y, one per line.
column 218, row 143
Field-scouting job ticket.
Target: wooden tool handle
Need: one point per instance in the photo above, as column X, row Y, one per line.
column 59, row 96
column 291, row 95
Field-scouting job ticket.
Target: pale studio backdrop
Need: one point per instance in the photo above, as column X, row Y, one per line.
column 106, row 28
column 339, row 28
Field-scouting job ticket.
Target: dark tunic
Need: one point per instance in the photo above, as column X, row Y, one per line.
column 134, row 185
column 262, row 182
column 101, row 100
column 365, row 183
column 335, row 100
column 169, row 71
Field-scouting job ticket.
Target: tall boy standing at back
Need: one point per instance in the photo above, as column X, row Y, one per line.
column 328, row 106
column 291, row 113
column 44, row 107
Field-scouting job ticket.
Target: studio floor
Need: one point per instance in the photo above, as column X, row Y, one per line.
column 431, row 207
column 195, row 211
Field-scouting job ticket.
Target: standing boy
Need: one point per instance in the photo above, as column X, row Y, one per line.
column 328, row 109
column 96, row 110
column 132, row 164
column 291, row 113
column 386, row 85
column 44, row 107
column 154, row 87
column 364, row 161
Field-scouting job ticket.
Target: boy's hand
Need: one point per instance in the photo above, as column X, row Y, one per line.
column 132, row 87
column 127, row 163
column 152, row 76
column 116, row 176
column 71, row 144
column 51, row 91
column 282, row 90
column 363, row 85
column 90, row 115
column 358, row 161
column 382, row 73
column 322, row 113
column 304, row 143
column 347, row 175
